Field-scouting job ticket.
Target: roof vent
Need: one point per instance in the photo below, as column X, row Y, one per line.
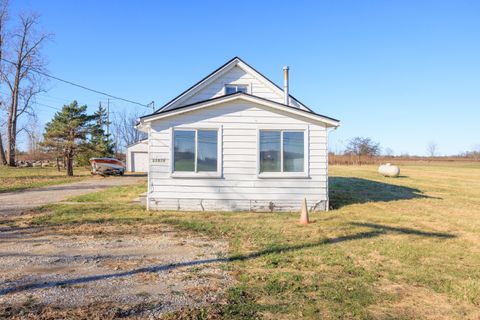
column 285, row 85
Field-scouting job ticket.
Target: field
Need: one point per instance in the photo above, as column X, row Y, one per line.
column 14, row 179
column 404, row 248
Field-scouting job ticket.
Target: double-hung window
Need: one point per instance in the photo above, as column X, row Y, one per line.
column 195, row 152
column 282, row 153
column 234, row 88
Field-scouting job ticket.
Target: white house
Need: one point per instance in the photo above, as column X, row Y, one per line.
column 137, row 156
column 237, row 141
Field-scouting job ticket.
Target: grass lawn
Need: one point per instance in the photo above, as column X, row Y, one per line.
column 14, row 179
column 405, row 248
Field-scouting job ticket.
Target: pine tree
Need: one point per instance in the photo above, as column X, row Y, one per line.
column 100, row 141
column 67, row 133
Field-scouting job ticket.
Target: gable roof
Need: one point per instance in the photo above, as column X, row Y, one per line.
column 236, row 61
column 329, row 122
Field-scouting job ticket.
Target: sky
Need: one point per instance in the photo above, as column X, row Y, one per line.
column 403, row 73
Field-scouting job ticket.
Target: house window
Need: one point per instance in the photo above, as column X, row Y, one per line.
column 282, row 151
column 270, row 151
column 234, row 88
column 184, row 150
column 195, row 151
column 293, row 152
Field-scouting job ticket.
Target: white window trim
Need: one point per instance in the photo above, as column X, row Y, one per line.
column 195, row 174
column 286, row 175
column 149, row 176
column 249, row 87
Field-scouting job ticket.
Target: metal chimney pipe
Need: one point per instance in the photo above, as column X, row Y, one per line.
column 285, row 85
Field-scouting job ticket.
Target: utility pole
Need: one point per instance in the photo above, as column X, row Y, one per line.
column 153, row 106
column 108, row 117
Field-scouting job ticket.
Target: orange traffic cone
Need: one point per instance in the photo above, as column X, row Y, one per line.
column 304, row 213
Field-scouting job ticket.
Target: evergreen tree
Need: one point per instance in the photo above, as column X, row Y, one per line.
column 67, row 133
column 100, row 141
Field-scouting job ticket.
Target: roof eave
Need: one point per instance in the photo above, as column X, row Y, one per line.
column 329, row 122
column 142, row 126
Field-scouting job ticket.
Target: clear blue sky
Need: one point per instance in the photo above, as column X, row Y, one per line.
column 401, row 72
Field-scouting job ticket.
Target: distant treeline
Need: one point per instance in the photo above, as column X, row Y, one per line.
column 361, row 150
column 350, row 159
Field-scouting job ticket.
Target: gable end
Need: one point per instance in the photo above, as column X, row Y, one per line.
column 234, row 71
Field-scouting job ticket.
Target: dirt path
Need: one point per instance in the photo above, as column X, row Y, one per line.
column 107, row 271
column 14, row 203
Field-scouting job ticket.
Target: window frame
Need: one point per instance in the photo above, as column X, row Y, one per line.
column 235, row 85
column 196, row 174
column 282, row 174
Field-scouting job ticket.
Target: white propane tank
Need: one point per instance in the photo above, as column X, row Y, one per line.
column 388, row 170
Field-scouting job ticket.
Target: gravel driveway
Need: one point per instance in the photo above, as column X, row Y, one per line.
column 101, row 271
column 14, row 203
column 106, row 271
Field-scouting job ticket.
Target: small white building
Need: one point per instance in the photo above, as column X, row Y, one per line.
column 137, row 156
column 237, row 141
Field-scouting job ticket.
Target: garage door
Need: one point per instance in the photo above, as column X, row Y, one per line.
column 139, row 161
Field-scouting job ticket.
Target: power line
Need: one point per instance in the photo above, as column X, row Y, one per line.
column 54, row 99
column 43, row 96
column 39, row 103
column 46, row 105
column 81, row 86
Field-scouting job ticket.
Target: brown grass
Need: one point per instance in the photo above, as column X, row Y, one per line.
column 410, row 301
column 15, row 179
column 405, row 248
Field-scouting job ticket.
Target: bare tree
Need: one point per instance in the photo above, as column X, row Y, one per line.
column 34, row 137
column 359, row 147
column 473, row 154
column 388, row 152
column 476, row 148
column 24, row 84
column 3, row 19
column 124, row 132
column 432, row 148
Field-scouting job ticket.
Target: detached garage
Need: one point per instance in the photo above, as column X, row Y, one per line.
column 137, row 156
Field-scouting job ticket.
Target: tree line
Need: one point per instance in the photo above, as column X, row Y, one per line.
column 363, row 150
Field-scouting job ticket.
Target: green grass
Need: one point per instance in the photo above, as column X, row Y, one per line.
column 15, row 179
column 405, row 248
column 111, row 205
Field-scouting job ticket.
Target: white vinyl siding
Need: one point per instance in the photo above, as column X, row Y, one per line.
column 235, row 76
column 236, row 73
column 238, row 187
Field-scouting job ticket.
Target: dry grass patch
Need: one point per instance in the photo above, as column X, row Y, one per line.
column 393, row 248
column 15, row 179
column 410, row 302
